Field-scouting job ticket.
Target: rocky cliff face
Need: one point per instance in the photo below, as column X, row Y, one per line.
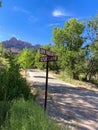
column 18, row 44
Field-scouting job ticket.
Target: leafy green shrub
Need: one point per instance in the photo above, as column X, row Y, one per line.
column 12, row 85
column 4, row 107
column 27, row 115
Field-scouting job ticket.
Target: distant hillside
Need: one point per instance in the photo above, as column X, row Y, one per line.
column 18, row 44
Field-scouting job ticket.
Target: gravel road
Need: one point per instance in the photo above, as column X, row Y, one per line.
column 68, row 104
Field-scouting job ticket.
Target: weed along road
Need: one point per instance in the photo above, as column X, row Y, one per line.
column 69, row 105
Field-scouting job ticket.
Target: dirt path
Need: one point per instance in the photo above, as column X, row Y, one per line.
column 68, row 104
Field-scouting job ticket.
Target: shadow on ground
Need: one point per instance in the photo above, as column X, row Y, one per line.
column 42, row 77
column 77, row 107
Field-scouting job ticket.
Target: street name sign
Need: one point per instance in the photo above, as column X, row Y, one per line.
column 45, row 58
column 49, row 56
column 42, row 51
column 46, row 52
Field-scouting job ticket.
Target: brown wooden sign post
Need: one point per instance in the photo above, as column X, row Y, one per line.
column 50, row 56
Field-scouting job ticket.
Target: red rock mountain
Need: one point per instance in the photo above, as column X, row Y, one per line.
column 18, row 44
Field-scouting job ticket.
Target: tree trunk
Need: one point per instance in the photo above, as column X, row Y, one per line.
column 75, row 76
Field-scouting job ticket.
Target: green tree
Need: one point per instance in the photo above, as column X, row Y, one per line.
column 1, row 49
column 12, row 85
column 68, row 42
column 92, row 48
column 39, row 64
column 33, row 52
column 3, row 60
column 0, row 3
column 25, row 58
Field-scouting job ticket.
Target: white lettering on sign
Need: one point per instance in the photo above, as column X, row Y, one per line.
column 46, row 52
column 49, row 53
column 45, row 59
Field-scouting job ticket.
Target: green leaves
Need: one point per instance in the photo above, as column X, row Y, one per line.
column 12, row 85
column 0, row 3
column 25, row 58
column 58, row 36
column 73, row 34
column 68, row 43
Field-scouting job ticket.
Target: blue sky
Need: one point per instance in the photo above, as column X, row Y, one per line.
column 34, row 20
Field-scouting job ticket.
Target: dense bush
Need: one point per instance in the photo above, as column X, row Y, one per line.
column 27, row 115
column 4, row 108
column 12, row 85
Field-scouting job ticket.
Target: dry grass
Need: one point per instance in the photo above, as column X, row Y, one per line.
column 77, row 83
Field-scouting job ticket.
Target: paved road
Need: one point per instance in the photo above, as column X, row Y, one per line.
column 68, row 104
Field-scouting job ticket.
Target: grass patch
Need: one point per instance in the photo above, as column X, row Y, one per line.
column 84, row 84
column 26, row 115
column 4, row 108
column 94, row 81
column 65, row 77
column 69, row 80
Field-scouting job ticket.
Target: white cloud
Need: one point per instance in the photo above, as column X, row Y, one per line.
column 81, row 18
column 32, row 19
column 53, row 24
column 19, row 9
column 29, row 14
column 60, row 13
